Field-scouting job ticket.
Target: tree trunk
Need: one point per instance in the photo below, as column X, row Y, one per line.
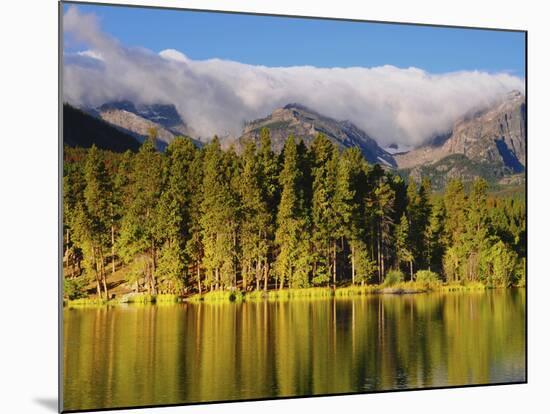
column 380, row 266
column 258, row 273
column 67, row 246
column 234, row 260
column 113, row 247
column 96, row 271
column 148, row 276
column 153, row 268
column 352, row 264
column 199, row 277
column 314, row 270
column 104, row 278
column 245, row 273
column 411, row 264
column 342, row 245
column 266, row 271
column 334, row 263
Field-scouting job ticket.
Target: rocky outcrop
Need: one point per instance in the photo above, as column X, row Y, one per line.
column 137, row 120
column 135, row 124
column 305, row 123
column 492, row 136
column 163, row 115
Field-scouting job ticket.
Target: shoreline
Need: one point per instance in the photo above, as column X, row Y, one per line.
column 237, row 296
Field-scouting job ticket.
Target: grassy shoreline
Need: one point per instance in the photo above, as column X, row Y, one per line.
column 225, row 296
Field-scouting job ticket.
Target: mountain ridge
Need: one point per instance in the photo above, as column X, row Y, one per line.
column 493, row 135
column 305, row 123
column 138, row 120
column 489, row 142
column 80, row 129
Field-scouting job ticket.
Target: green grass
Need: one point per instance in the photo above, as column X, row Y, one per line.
column 303, row 293
column 218, row 296
column 424, row 283
column 86, row 302
column 166, row 298
column 356, row 290
column 141, row 298
column 459, row 287
column 255, row 295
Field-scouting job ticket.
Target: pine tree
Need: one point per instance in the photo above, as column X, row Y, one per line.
column 402, row 246
column 435, row 237
column 218, row 220
column 324, row 214
column 73, row 200
column 500, row 264
column 96, row 216
column 418, row 213
column 383, row 202
column 455, row 206
column 365, row 267
column 424, row 213
column 256, row 217
column 191, row 219
column 291, row 233
column 194, row 248
column 139, row 235
column 350, row 191
column 269, row 182
column 269, row 171
column 374, row 176
column 476, row 238
column 173, row 210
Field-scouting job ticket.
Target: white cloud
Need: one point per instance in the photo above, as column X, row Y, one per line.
column 406, row 106
column 91, row 54
column 176, row 55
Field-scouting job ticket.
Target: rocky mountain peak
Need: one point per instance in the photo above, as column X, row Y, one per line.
column 138, row 119
column 493, row 137
column 305, row 123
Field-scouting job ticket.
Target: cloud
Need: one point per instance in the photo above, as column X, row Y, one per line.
column 90, row 53
column 406, row 106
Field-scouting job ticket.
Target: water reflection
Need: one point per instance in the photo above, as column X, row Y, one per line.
column 144, row 355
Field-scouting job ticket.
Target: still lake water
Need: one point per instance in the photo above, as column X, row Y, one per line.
column 168, row 354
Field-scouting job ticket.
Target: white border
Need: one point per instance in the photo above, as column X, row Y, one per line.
column 28, row 204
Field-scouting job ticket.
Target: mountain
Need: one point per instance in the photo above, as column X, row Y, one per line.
column 461, row 167
column 397, row 148
column 137, row 120
column 164, row 115
column 80, row 129
column 305, row 123
column 493, row 138
column 490, row 143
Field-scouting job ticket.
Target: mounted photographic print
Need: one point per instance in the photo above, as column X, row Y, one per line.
column 260, row 207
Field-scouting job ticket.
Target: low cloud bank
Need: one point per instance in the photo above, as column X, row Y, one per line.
column 393, row 105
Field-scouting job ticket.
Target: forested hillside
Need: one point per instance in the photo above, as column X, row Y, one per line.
column 191, row 220
column 83, row 130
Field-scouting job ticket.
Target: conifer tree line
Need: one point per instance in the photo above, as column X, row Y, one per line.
column 192, row 220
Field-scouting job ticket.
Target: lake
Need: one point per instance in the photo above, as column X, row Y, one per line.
column 171, row 354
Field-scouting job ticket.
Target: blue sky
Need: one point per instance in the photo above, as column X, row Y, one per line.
column 276, row 41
